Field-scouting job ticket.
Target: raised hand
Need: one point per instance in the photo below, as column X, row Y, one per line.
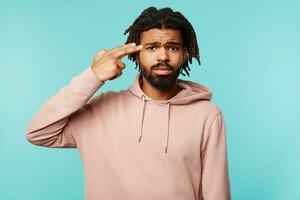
column 107, row 65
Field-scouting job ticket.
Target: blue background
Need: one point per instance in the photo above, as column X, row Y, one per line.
column 250, row 60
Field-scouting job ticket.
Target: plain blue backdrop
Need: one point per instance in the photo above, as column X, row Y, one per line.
column 250, row 60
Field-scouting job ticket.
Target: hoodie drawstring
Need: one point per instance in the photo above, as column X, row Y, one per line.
column 142, row 121
column 168, row 123
column 168, row 130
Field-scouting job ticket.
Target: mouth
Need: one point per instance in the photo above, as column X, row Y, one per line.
column 162, row 70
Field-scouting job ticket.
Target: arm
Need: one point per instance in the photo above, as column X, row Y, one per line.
column 50, row 126
column 215, row 174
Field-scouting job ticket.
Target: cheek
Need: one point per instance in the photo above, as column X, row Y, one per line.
column 176, row 59
column 146, row 58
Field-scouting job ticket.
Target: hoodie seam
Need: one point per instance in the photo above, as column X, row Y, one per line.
column 209, row 133
column 215, row 117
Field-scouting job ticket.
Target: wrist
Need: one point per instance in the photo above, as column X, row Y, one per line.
column 96, row 75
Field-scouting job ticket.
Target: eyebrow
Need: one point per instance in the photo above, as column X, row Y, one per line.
column 156, row 43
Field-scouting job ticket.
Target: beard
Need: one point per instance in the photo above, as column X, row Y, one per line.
column 161, row 82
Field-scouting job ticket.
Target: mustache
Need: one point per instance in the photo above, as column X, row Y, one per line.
column 162, row 64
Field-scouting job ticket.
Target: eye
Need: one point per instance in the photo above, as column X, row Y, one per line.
column 173, row 48
column 151, row 48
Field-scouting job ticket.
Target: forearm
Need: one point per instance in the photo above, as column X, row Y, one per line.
column 49, row 127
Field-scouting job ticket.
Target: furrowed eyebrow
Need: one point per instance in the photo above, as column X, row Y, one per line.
column 174, row 43
column 158, row 43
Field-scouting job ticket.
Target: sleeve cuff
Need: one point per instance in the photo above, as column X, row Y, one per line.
column 87, row 81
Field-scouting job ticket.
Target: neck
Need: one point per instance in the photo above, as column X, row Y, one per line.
column 157, row 94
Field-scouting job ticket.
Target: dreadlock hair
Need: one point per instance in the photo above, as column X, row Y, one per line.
column 165, row 18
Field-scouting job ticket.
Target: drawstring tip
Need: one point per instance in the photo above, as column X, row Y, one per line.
column 140, row 139
column 166, row 150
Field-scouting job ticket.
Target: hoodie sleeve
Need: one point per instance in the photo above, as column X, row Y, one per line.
column 51, row 125
column 215, row 174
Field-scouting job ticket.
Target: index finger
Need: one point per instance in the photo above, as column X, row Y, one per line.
column 128, row 50
column 121, row 47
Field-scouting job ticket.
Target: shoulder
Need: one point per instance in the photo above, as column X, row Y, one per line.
column 210, row 108
column 108, row 97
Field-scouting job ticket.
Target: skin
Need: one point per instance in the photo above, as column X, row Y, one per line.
column 107, row 65
column 166, row 49
column 161, row 46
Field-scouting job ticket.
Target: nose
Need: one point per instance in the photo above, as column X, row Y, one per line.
column 162, row 55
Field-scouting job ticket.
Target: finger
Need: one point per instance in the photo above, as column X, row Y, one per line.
column 119, row 73
column 102, row 51
column 99, row 54
column 120, row 63
column 113, row 50
column 123, row 52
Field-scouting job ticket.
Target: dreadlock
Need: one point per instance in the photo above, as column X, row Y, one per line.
column 165, row 18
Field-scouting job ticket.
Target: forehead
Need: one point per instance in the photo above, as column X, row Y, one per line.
column 160, row 36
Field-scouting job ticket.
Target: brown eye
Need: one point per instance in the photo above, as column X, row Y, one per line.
column 173, row 48
column 151, row 48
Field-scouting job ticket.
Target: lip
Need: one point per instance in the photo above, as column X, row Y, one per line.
column 162, row 68
column 162, row 71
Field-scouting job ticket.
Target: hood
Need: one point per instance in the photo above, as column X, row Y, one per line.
column 190, row 92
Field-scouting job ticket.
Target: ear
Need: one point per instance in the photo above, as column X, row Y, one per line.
column 185, row 54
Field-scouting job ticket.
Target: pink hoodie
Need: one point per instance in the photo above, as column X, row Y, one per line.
column 136, row 148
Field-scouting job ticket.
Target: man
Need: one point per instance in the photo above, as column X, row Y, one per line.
column 160, row 139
